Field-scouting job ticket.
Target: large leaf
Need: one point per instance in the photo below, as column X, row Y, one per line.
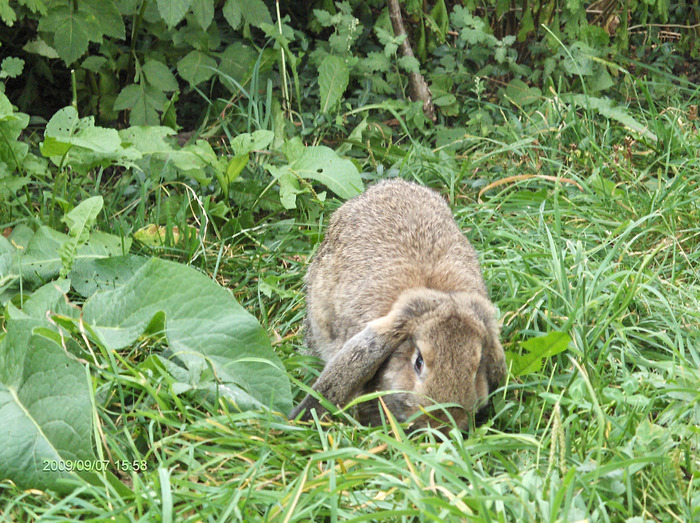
column 206, row 329
column 80, row 143
column 333, row 78
column 41, row 260
column 45, row 413
column 323, row 165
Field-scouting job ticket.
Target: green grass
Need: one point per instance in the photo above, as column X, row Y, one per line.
column 606, row 431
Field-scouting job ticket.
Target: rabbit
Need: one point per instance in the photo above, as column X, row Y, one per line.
column 396, row 302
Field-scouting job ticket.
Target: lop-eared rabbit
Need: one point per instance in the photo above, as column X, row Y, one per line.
column 396, row 302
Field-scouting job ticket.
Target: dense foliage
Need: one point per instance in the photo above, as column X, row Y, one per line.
column 155, row 153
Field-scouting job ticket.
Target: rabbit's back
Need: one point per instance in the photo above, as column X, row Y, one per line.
column 395, row 236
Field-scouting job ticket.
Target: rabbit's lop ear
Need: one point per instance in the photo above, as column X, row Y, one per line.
column 492, row 366
column 354, row 365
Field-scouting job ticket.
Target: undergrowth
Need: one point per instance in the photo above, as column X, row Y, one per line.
column 583, row 227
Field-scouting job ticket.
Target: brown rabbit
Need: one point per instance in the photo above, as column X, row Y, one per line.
column 396, row 301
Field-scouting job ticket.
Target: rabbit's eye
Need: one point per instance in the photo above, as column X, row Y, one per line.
column 418, row 365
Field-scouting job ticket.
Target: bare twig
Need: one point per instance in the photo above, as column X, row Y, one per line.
column 417, row 87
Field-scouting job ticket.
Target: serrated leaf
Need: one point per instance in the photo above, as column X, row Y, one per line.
column 196, row 67
column 159, row 75
column 204, row 326
column 173, row 11
column 144, row 101
column 11, row 67
column 254, row 12
column 73, row 29
column 232, row 13
column 107, row 15
column 322, row 164
column 333, row 78
column 203, row 12
column 409, row 64
column 40, row 47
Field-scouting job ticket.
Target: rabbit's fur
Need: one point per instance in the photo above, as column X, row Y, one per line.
column 394, row 281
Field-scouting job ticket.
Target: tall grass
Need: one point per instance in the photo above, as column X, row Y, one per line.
column 606, row 248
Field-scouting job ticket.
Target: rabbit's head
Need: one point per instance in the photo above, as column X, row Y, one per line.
column 444, row 349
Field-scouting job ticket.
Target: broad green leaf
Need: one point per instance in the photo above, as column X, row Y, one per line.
column 323, row 165
column 91, row 275
column 249, row 142
column 255, row 12
column 72, row 28
column 289, row 189
column 173, row 11
column 41, row 260
column 11, row 126
column 333, row 78
column 232, row 13
column 196, row 67
column 537, row 350
column 159, row 76
column 144, row 101
column 521, row 94
column 79, row 143
column 203, row 12
column 45, row 411
column 107, row 16
column 204, row 326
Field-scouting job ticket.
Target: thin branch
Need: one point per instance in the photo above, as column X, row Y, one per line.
column 417, row 87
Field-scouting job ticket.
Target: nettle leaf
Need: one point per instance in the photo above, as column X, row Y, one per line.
column 159, row 75
column 196, row 67
column 254, row 12
column 73, row 29
column 323, row 165
column 203, row 12
column 144, row 101
column 173, row 11
column 45, row 411
column 221, row 345
column 333, row 78
column 537, row 350
column 232, row 13
column 107, row 16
